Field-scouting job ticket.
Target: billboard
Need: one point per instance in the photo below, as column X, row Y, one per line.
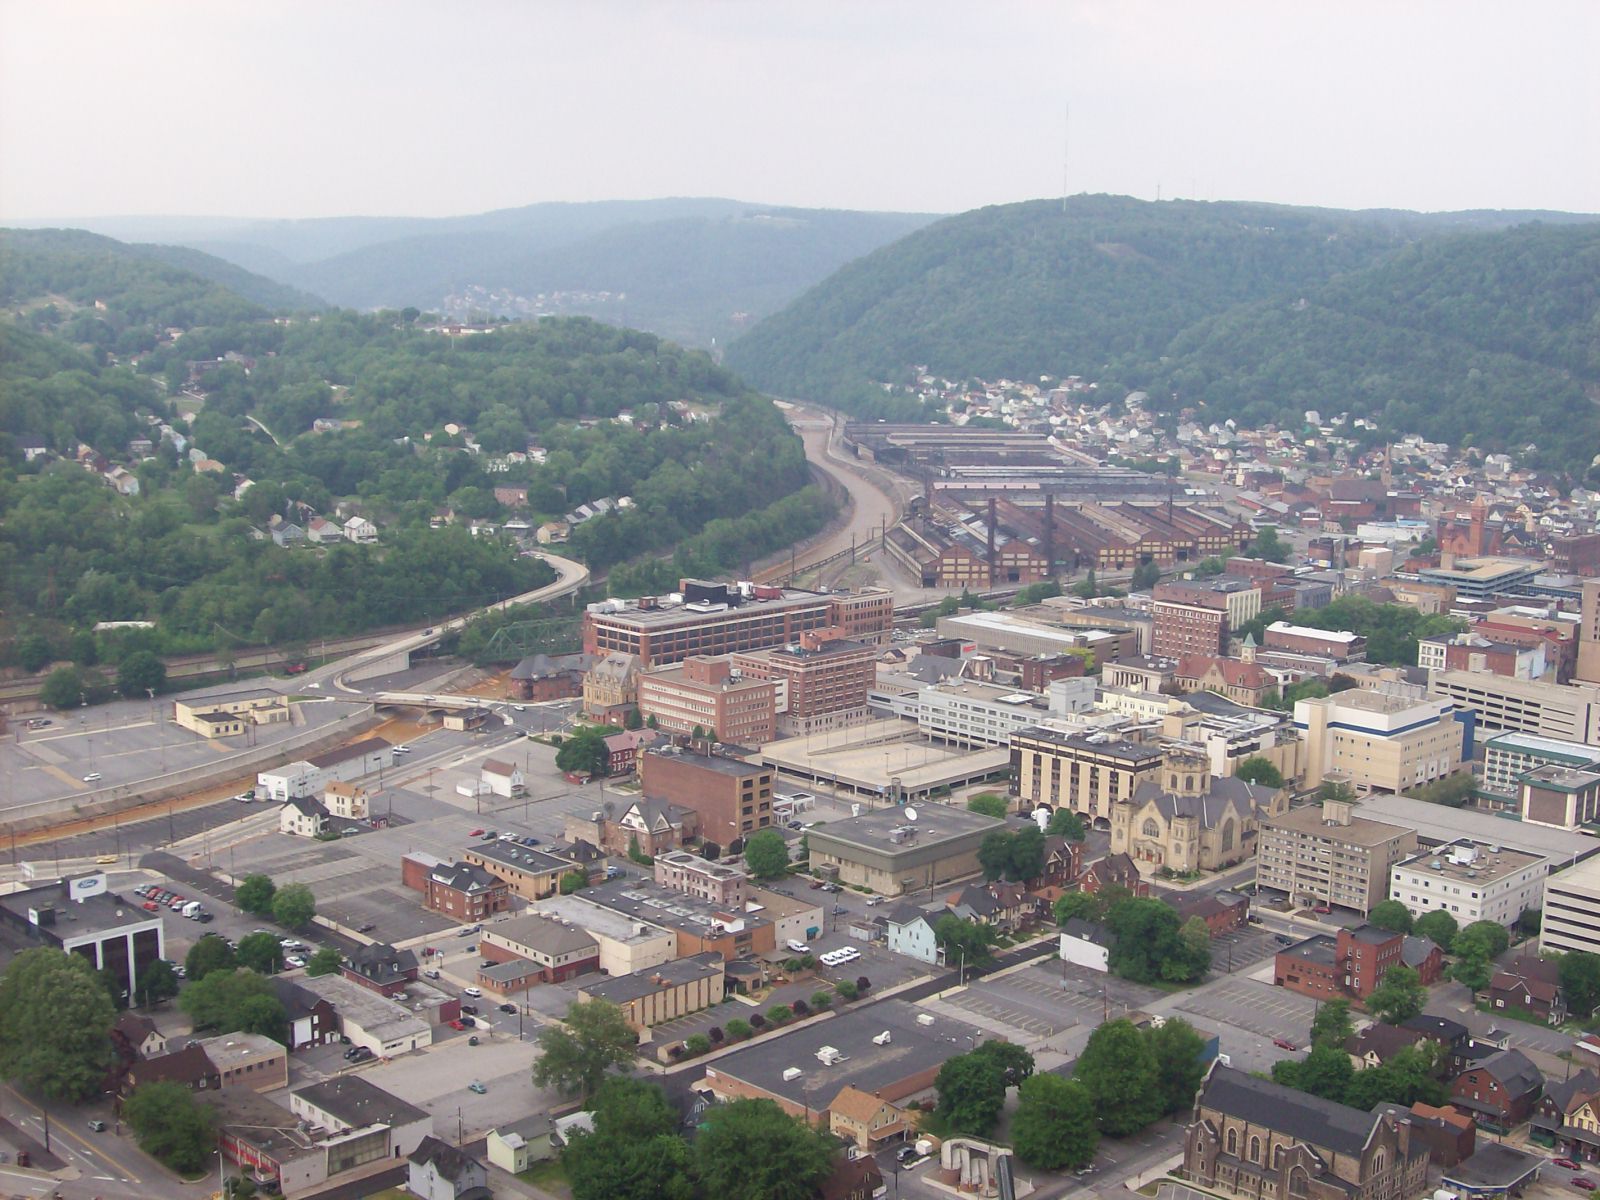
column 84, row 886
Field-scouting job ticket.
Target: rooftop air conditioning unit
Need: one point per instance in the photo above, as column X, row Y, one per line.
column 882, row 1039
column 790, row 1074
column 924, row 1018
column 828, row 1055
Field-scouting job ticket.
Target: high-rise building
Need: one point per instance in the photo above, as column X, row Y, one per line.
column 1199, row 618
column 703, row 693
column 823, row 680
column 1588, row 670
column 1379, row 742
column 1329, row 855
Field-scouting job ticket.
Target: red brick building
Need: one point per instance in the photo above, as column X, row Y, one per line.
column 703, row 693
column 826, row 680
column 380, row 968
column 465, row 892
column 1198, row 618
column 622, row 749
column 1501, row 1090
column 1350, row 965
column 733, row 798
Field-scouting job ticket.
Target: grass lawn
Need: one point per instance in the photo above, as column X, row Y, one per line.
column 394, row 1193
column 548, row 1175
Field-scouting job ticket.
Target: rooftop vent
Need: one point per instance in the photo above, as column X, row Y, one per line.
column 790, row 1074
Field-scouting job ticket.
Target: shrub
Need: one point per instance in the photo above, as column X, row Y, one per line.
column 715, row 1034
column 802, row 1009
column 809, row 961
column 697, row 1043
column 739, row 1029
column 757, row 1021
column 862, row 984
column 821, row 1000
column 779, row 1013
column 846, row 988
column 791, row 965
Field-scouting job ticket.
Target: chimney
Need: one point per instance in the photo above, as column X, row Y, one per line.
column 993, row 566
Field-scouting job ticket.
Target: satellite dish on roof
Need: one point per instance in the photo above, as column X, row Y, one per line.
column 911, row 813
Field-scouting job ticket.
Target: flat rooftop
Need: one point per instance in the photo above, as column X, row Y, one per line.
column 523, row 858
column 871, row 756
column 662, row 906
column 1305, row 631
column 720, row 763
column 1361, row 831
column 99, row 913
column 385, row 1019
column 620, row 989
column 230, row 1049
column 1482, row 570
column 933, row 823
column 1464, row 860
column 357, row 1102
column 910, row 1049
column 673, row 614
column 597, row 919
column 1436, row 825
column 1574, row 754
column 1320, row 948
column 1562, row 778
column 1099, row 743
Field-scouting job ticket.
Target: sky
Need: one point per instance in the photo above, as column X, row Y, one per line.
column 282, row 108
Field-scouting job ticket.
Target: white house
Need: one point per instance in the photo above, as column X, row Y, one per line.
column 436, row 1170
column 303, row 816
column 288, row 781
column 517, row 1146
column 1085, row 944
column 910, row 932
column 346, row 800
column 501, row 778
column 361, row 530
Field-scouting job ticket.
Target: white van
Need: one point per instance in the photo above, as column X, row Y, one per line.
column 798, row 947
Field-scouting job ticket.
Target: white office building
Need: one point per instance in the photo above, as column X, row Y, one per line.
column 1472, row 881
column 1572, row 909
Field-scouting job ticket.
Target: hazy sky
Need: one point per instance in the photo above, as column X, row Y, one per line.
column 279, row 108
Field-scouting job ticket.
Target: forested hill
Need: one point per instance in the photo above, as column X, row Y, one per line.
column 146, row 282
column 695, row 270
column 179, row 481
column 1255, row 311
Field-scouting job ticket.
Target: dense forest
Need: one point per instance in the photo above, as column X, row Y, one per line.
column 332, row 413
column 1252, row 311
column 693, row 270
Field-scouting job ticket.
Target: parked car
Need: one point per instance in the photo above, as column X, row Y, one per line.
column 458, row 1024
column 469, row 1010
column 1568, row 1163
column 93, row 777
column 472, row 991
column 105, row 860
column 365, row 928
column 1582, row 1182
column 905, row 1154
column 362, row 1054
column 402, row 748
column 508, row 1008
column 1284, row 1044
column 97, row 1126
column 1324, row 909
column 477, row 1087
column 798, row 947
column 430, row 974
column 294, row 961
column 476, row 833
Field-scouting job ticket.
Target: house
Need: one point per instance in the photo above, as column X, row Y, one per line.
column 1451, row 1136
column 866, row 1120
column 1086, row 944
column 380, row 968
column 1423, row 956
column 501, row 778
column 622, row 749
column 312, row 1020
column 360, row 530
column 854, row 1179
column 436, row 1170
column 1221, row 911
column 1006, row 906
column 1253, row 1139
column 551, row 533
column 321, row 531
column 1114, row 870
column 910, row 932
column 1567, row 1117
column 1454, row 1040
column 189, row 1067
column 465, row 891
column 516, row 1146
column 303, row 816
column 1063, row 863
column 287, row 533
column 1378, row 1043
column 1500, row 1091
column 140, row 1035
column 346, row 800
column 1530, row 986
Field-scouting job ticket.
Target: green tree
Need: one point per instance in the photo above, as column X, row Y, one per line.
column 634, row 1152
column 972, row 1091
column 1269, row 546
column 753, row 1150
column 1122, row 1078
column 261, row 952
column 1025, row 855
column 963, row 942
column 63, row 688
column 172, row 1125
column 293, row 906
column 584, row 752
column 1016, row 1064
column 576, row 1055
column 1332, row 1026
column 157, row 982
column 766, row 854
column 254, row 894
column 1580, row 979
column 633, row 720
column 225, row 1001
column 988, row 804
column 1176, row 1049
column 140, row 674
column 1145, row 576
column 1068, row 824
column 1193, row 957
column 1326, row 1072
column 1492, row 934
column 1390, row 915
column 1081, row 905
column 210, row 953
column 1054, row 1127
column 1398, row 997
column 1439, row 926
column 1256, row 769
column 34, row 653
column 325, row 961
column 1149, row 945
column 1472, row 972
column 994, row 853
column 55, row 1024
column 573, row 881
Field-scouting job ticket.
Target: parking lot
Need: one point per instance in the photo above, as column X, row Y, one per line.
column 1238, row 949
column 1260, row 1008
column 1048, row 997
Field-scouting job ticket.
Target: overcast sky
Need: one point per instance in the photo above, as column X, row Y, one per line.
column 279, row 108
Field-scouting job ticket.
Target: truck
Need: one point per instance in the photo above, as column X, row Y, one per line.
column 191, row 909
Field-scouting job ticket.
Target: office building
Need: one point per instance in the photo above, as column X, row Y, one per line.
column 733, row 798
column 822, row 681
column 1509, row 756
column 1350, row 963
column 1481, row 578
column 1572, row 909
column 705, row 694
column 721, row 618
column 1472, row 881
column 695, row 876
column 1379, row 742
column 968, row 713
column 899, row 850
column 664, row 993
column 1328, row 855
column 1324, row 643
column 1570, row 712
column 1086, row 772
column 1199, row 618
column 81, row 916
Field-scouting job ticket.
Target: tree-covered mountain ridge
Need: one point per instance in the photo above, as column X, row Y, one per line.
column 1468, row 327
